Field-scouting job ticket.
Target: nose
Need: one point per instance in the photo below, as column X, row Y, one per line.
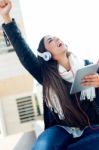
column 57, row 39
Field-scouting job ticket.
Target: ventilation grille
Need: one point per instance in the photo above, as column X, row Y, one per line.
column 25, row 109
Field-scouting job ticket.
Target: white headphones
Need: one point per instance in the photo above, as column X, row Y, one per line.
column 46, row 55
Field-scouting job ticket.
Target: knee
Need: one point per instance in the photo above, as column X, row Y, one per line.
column 43, row 144
column 48, row 139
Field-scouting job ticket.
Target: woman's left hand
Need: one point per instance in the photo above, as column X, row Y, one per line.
column 91, row 80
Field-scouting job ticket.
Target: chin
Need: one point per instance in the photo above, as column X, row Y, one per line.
column 64, row 49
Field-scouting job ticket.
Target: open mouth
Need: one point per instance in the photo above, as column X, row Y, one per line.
column 60, row 44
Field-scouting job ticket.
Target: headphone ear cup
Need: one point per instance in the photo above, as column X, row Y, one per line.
column 47, row 56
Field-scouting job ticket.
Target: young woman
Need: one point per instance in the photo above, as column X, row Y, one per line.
column 69, row 119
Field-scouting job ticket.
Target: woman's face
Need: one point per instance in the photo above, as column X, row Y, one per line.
column 54, row 45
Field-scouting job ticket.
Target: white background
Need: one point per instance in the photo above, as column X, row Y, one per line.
column 76, row 22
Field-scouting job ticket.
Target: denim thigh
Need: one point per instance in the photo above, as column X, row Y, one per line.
column 89, row 140
column 53, row 138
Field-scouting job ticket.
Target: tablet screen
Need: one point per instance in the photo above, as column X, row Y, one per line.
column 80, row 74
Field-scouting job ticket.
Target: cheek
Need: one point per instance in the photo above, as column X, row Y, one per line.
column 52, row 48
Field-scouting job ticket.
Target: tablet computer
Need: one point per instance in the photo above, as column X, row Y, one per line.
column 80, row 74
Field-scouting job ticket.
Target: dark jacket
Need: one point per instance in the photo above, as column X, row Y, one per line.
column 31, row 63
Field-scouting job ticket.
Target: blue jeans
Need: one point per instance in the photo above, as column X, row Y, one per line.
column 88, row 141
column 57, row 138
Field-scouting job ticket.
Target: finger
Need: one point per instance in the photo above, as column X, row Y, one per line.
column 90, row 76
column 96, row 75
column 89, row 80
column 7, row 1
column 90, row 84
column 2, row 3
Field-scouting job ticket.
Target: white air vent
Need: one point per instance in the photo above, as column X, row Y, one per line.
column 25, row 109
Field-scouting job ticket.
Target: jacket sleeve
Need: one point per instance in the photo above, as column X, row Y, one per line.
column 87, row 62
column 25, row 54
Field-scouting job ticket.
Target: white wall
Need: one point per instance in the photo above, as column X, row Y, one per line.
column 10, row 66
column 74, row 21
column 11, row 116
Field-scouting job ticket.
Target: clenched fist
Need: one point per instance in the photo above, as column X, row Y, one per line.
column 5, row 7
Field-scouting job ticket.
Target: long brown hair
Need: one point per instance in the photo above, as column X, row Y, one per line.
column 51, row 78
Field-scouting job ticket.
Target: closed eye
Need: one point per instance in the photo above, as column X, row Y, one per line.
column 50, row 40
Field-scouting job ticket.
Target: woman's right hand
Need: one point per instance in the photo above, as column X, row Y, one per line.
column 5, row 7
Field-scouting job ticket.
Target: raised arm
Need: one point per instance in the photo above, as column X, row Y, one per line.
column 26, row 56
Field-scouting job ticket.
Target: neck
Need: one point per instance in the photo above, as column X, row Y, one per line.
column 63, row 60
